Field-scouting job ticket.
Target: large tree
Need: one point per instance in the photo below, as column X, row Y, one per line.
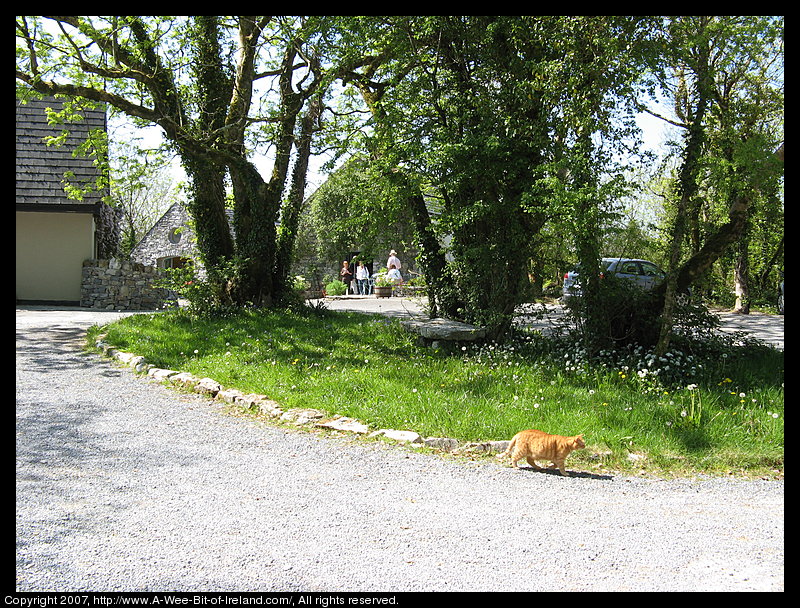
column 491, row 124
column 219, row 88
column 722, row 79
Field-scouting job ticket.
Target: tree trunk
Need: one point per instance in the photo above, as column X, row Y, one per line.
column 207, row 208
column 715, row 245
column 290, row 213
column 687, row 190
column 741, row 276
column 255, row 216
column 432, row 260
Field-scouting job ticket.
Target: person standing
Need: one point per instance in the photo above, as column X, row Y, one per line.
column 393, row 260
column 362, row 279
column 346, row 275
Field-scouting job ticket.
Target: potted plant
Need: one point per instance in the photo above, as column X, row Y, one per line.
column 383, row 286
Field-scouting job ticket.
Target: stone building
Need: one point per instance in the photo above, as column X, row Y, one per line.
column 170, row 243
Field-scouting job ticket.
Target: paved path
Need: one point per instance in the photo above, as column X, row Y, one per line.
column 768, row 328
column 125, row 485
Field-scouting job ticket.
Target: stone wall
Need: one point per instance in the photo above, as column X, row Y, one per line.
column 120, row 285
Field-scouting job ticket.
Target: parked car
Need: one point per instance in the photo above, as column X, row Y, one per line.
column 641, row 272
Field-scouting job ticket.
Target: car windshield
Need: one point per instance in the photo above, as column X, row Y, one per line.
column 651, row 269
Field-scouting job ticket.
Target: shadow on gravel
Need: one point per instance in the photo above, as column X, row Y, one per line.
column 578, row 474
column 60, row 342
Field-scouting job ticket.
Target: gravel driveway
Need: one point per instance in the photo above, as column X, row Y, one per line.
column 126, row 485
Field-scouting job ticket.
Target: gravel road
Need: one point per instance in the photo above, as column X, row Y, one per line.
column 126, row 485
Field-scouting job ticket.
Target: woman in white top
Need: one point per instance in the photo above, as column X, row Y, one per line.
column 362, row 278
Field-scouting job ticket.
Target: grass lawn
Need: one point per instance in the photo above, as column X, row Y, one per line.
column 717, row 410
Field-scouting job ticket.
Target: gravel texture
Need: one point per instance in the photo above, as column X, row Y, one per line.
column 126, row 485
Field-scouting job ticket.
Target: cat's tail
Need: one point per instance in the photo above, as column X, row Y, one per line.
column 507, row 453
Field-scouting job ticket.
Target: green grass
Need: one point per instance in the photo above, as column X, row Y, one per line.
column 369, row 368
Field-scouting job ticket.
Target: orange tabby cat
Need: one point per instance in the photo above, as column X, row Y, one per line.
column 536, row 445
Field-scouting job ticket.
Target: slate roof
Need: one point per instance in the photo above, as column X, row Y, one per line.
column 40, row 168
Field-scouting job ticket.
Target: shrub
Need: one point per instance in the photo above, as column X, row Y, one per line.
column 335, row 288
column 621, row 314
column 208, row 295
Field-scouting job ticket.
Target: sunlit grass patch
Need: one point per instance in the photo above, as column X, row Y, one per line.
column 682, row 413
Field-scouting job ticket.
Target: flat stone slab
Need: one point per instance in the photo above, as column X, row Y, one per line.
column 444, row 329
column 161, row 374
column 441, row 443
column 399, row 436
column 184, row 378
column 301, row 415
column 349, row 425
column 229, row 395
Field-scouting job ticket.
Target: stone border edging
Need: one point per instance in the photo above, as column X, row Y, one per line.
column 297, row 416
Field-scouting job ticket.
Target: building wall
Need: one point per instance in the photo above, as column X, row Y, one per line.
column 50, row 251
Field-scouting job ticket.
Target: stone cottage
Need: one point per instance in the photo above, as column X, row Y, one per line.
column 170, row 243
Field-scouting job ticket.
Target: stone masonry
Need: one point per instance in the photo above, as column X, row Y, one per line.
column 120, row 285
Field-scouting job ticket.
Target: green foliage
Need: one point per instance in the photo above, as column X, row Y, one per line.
column 335, row 288
column 358, row 208
column 473, row 124
column 620, row 315
column 95, row 146
column 726, row 85
column 195, row 79
column 208, row 293
column 509, row 136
